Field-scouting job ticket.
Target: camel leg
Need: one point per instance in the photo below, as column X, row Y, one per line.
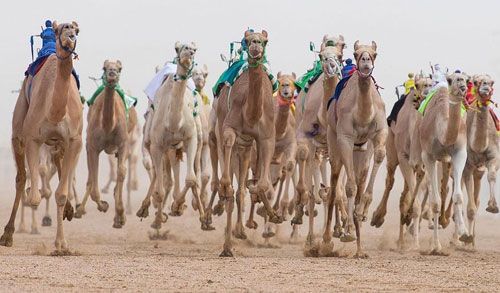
column 157, row 156
column 477, row 187
column 327, row 244
column 178, row 206
column 302, row 196
column 492, row 179
column 226, row 190
column 132, row 179
column 119, row 219
column 244, row 162
column 112, row 173
column 431, row 170
column 392, row 164
column 92, row 184
column 143, row 212
column 317, row 180
column 214, row 159
column 417, row 209
column 205, row 174
column 346, row 151
column 61, row 194
column 45, row 177
column 444, row 219
column 468, row 180
column 406, row 201
column 290, row 154
column 459, row 160
column 191, row 178
column 33, row 158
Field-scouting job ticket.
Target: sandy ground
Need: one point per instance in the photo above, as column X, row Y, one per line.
column 108, row 259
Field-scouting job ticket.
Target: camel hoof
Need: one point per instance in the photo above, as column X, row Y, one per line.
column 364, row 218
column 6, row 240
column 492, row 209
column 177, row 209
column 47, row 221
column 261, row 211
column 219, row 208
column 251, row 224
column 69, row 212
column 143, row 212
column 444, row 222
column 361, row 255
column 466, row 238
column 155, row 225
column 104, row 208
column 226, row 253
column 117, row 225
column 268, row 234
column 347, row 238
column 377, row 220
column 337, row 232
column 240, row 234
column 164, row 217
column 311, row 249
column 315, row 213
column 207, row 227
column 326, row 248
column 296, row 220
column 194, row 204
column 276, row 219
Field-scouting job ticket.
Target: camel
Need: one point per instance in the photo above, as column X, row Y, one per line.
column 108, row 130
column 245, row 113
column 283, row 160
column 357, row 129
column 312, row 125
column 398, row 145
column 134, row 132
column 52, row 116
column 173, row 128
column 482, row 151
column 443, row 138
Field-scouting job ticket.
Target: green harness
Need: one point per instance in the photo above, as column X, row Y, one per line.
column 128, row 101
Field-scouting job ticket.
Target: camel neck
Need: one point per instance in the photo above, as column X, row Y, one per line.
column 329, row 85
column 108, row 111
column 254, row 103
column 454, row 117
column 365, row 110
column 62, row 84
column 479, row 129
column 174, row 112
column 281, row 122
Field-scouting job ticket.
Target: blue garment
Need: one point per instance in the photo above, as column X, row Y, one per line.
column 338, row 90
column 347, row 68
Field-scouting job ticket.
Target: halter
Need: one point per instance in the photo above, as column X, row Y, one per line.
column 338, row 66
column 357, row 63
column 261, row 59
column 189, row 69
column 67, row 49
column 106, row 84
column 284, row 101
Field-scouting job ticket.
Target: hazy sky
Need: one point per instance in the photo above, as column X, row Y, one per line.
column 409, row 34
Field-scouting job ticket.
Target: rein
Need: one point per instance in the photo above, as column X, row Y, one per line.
column 67, row 49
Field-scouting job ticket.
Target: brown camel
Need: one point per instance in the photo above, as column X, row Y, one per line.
column 482, row 150
column 53, row 116
column 312, row 126
column 245, row 114
column 107, row 130
column 355, row 119
column 398, row 153
column 443, row 138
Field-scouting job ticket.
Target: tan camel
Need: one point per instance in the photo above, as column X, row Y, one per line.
column 355, row 119
column 173, row 128
column 443, row 138
column 312, row 126
column 54, row 117
column 245, row 114
column 107, row 130
column 134, row 133
column 398, row 153
column 482, row 151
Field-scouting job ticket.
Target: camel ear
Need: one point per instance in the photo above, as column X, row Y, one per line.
column 374, row 46
column 449, row 79
column 294, row 76
column 356, row 45
column 205, row 70
column 55, row 28
column 75, row 26
column 476, row 83
column 105, row 64
column 264, row 33
column 177, row 46
column 247, row 33
column 325, row 38
column 341, row 37
column 374, row 55
column 279, row 75
column 119, row 65
column 194, row 45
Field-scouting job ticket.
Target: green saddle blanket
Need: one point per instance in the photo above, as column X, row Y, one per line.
column 423, row 105
column 236, row 70
column 128, row 101
column 309, row 77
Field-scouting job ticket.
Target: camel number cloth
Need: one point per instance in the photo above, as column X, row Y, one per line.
column 128, row 101
column 160, row 77
column 424, row 104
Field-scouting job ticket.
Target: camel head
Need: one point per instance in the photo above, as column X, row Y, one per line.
column 365, row 58
column 200, row 76
column 112, row 72
column 423, row 85
column 484, row 87
column 332, row 50
column 255, row 45
column 66, row 34
column 286, row 88
column 457, row 83
column 185, row 54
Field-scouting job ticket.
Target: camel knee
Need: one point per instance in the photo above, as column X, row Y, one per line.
column 492, row 176
column 302, row 153
column 290, row 164
column 471, row 212
column 121, row 174
column 61, row 199
column 379, row 155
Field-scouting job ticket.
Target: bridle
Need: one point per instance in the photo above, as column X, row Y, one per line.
column 357, row 64
column 188, row 69
column 262, row 57
column 67, row 49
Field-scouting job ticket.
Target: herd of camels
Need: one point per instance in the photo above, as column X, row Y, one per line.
column 272, row 144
